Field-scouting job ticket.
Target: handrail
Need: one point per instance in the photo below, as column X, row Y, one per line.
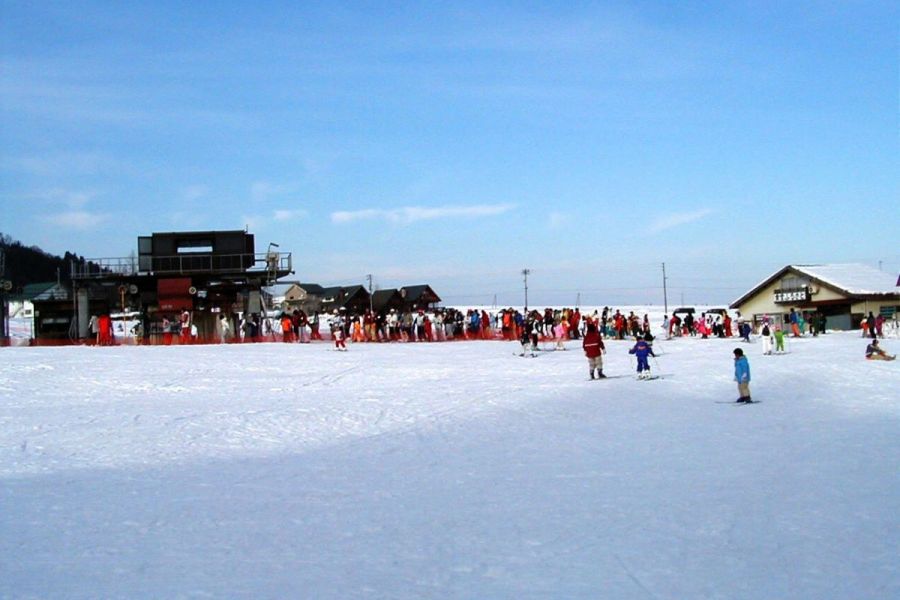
column 273, row 263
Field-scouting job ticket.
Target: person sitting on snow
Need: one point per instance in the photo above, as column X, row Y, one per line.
column 874, row 352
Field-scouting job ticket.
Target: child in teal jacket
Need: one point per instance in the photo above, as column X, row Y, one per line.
column 742, row 375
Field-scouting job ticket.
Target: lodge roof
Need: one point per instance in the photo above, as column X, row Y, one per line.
column 313, row 289
column 40, row 291
column 382, row 298
column 32, row 290
column 413, row 293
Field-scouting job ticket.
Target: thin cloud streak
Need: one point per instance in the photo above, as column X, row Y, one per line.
column 78, row 219
column 263, row 191
column 288, row 214
column 671, row 221
column 412, row 214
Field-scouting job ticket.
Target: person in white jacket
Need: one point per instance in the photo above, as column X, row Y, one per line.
column 765, row 334
column 224, row 328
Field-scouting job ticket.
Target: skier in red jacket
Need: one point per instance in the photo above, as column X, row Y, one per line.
column 105, row 335
column 594, row 349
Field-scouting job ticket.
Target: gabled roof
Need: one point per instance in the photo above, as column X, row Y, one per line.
column 413, row 293
column 384, row 298
column 342, row 296
column 41, row 291
column 852, row 280
column 352, row 291
column 313, row 289
column 339, row 290
column 33, row 290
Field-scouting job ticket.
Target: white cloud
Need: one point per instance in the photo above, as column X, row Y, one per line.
column 412, row 214
column 195, row 192
column 558, row 220
column 73, row 200
column 346, row 216
column 259, row 222
column 74, row 163
column 261, row 191
column 674, row 220
column 288, row 214
column 78, row 219
column 252, row 222
column 68, row 209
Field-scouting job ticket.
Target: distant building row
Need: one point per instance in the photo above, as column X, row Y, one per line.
column 312, row 298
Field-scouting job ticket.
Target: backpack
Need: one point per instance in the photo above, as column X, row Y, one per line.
column 766, row 331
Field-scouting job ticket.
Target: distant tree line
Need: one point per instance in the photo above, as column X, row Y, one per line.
column 30, row 264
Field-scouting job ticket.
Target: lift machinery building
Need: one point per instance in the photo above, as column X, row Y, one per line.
column 208, row 273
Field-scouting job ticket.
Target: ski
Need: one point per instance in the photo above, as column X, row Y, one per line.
column 736, row 403
column 535, row 353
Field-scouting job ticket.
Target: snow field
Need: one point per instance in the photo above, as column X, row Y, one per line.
column 447, row 471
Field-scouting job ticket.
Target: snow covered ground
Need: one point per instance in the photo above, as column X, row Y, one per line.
column 454, row 470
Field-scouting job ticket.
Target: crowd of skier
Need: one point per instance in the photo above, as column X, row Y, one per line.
column 448, row 324
column 535, row 330
column 530, row 328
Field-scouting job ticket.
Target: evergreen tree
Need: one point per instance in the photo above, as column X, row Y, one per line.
column 30, row 264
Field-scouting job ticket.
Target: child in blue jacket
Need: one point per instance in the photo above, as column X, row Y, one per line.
column 742, row 375
column 642, row 349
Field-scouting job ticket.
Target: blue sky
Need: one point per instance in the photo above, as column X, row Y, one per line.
column 457, row 143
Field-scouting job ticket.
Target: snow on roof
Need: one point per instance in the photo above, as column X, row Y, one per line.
column 853, row 278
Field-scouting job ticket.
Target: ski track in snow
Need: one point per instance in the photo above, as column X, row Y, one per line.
column 447, row 471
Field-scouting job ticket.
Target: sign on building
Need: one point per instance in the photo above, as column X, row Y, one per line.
column 792, row 296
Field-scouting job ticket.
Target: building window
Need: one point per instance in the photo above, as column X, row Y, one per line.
column 794, row 283
column 194, row 246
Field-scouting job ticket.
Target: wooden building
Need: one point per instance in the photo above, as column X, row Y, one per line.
column 419, row 297
column 384, row 301
column 49, row 305
column 353, row 299
column 844, row 293
column 304, row 296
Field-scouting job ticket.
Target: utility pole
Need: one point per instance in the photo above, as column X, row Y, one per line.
column 665, row 293
column 525, row 273
column 369, row 277
column 5, row 286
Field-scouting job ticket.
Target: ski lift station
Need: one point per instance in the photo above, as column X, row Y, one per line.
column 207, row 273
